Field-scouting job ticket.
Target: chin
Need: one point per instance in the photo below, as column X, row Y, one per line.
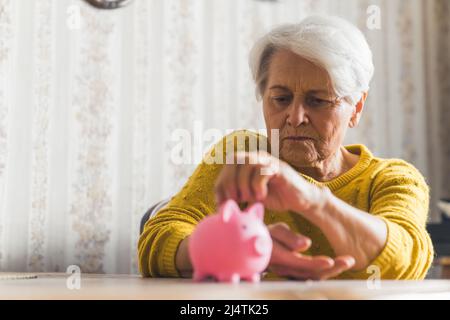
column 298, row 158
column 298, row 154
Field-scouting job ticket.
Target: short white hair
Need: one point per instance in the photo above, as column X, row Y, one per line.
column 330, row 42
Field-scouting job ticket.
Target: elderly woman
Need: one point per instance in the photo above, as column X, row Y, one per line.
column 333, row 211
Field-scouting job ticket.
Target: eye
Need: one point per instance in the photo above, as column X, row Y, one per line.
column 282, row 101
column 315, row 102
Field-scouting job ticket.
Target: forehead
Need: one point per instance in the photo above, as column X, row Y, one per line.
column 295, row 72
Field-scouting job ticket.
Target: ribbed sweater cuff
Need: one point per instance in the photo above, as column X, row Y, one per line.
column 393, row 249
column 389, row 260
column 170, row 249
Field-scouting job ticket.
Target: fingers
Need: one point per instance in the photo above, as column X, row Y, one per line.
column 225, row 187
column 341, row 264
column 291, row 240
column 284, row 257
column 287, row 242
column 259, row 184
column 286, row 262
column 220, row 196
column 244, row 176
column 251, row 182
column 242, row 180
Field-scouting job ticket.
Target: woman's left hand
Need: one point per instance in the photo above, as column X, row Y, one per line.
column 267, row 179
column 287, row 258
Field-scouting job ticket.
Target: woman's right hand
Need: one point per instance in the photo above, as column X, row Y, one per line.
column 286, row 259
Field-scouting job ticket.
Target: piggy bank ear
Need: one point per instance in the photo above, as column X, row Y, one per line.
column 228, row 209
column 257, row 209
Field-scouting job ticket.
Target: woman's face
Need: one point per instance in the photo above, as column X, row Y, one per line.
column 299, row 101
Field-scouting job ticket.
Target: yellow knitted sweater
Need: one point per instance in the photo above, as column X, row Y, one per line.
column 391, row 189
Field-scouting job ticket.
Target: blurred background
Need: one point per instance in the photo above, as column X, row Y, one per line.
column 89, row 100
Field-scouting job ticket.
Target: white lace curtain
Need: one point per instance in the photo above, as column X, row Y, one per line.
column 88, row 103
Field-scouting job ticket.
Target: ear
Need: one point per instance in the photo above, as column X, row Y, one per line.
column 228, row 209
column 357, row 112
column 257, row 209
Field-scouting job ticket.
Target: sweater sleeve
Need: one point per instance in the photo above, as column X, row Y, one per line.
column 163, row 233
column 159, row 241
column 400, row 197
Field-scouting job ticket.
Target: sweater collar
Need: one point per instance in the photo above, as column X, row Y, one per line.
column 362, row 164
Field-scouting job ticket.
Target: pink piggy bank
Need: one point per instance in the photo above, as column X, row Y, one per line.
column 231, row 245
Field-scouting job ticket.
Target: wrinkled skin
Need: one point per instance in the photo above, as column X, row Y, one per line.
column 324, row 120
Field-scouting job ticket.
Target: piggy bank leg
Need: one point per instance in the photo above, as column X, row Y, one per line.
column 233, row 278
column 255, row 277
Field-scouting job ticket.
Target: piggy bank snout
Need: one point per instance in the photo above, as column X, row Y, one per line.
column 262, row 245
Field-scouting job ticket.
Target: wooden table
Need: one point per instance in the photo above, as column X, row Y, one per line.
column 54, row 286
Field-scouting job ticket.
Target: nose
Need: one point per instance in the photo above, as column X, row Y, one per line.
column 297, row 114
